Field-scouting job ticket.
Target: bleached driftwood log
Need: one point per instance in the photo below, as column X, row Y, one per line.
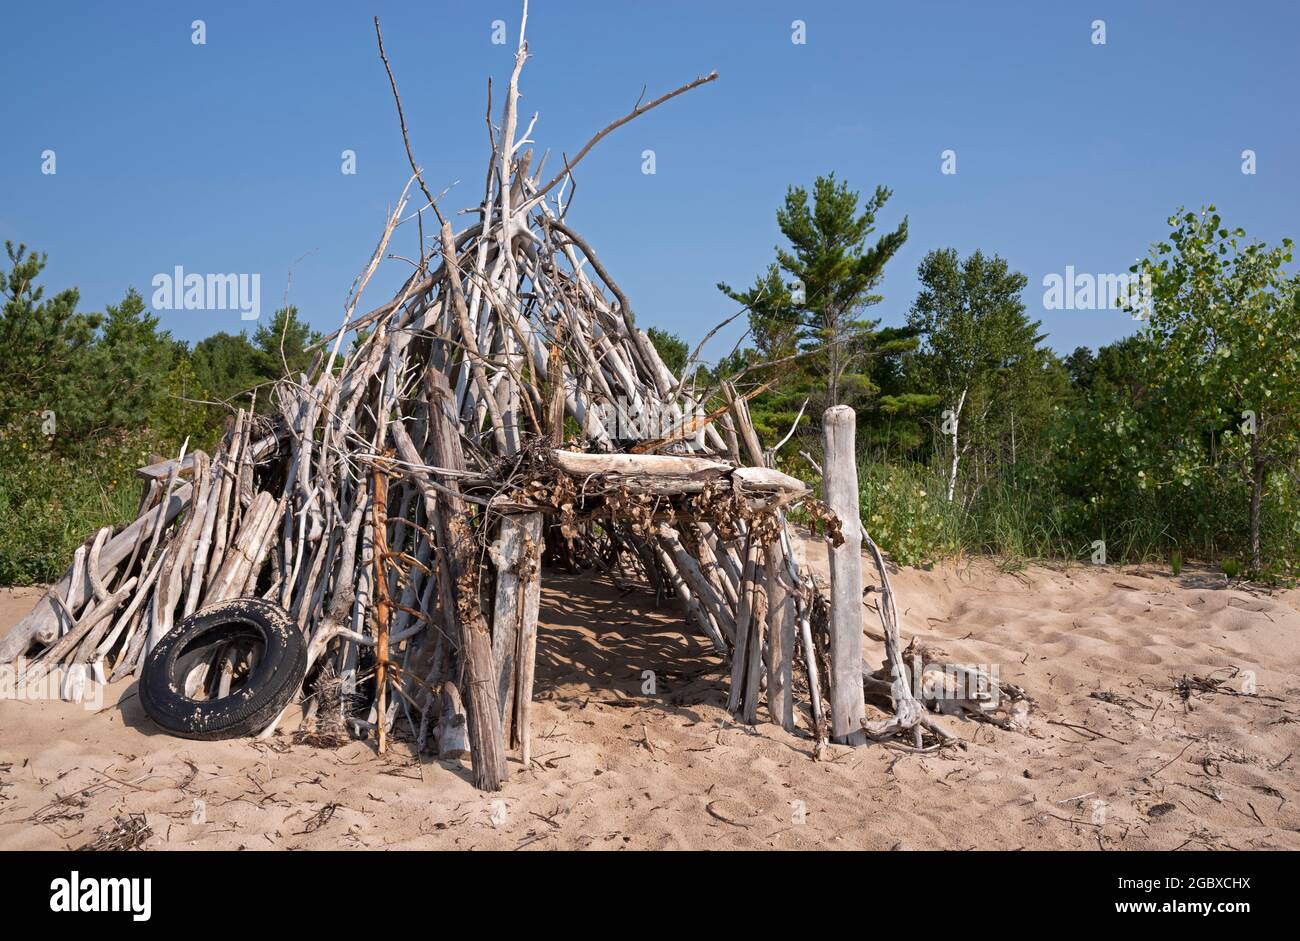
column 780, row 637
column 487, row 745
column 841, row 482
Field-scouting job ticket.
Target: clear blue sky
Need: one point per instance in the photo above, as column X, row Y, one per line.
column 225, row 157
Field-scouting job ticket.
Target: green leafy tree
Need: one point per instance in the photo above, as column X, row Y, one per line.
column 1224, row 322
column 135, row 361
column 1081, row 366
column 85, row 399
column 226, row 365
column 775, row 320
column 978, row 351
column 283, row 344
column 811, row 342
column 230, row 365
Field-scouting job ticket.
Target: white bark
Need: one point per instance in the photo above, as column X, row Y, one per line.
column 956, row 454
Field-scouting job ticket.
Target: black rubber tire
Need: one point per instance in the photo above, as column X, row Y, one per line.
column 267, row 689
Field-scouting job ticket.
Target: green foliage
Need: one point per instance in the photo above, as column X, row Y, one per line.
column 1159, row 431
column 839, row 271
column 177, row 414
column 672, row 349
column 980, row 353
column 1183, row 438
column 904, row 510
column 134, row 363
column 51, row 501
column 231, row 366
column 971, row 320
column 1223, row 353
column 806, row 310
column 85, row 399
column 47, row 354
column 282, row 345
column 226, row 365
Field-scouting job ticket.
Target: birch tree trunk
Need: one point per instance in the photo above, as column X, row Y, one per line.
column 1256, row 499
column 956, row 455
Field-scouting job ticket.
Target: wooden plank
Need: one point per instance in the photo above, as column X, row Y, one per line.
column 381, row 609
column 162, row 469
column 744, row 424
column 515, row 602
column 757, row 626
column 701, row 588
column 744, row 634
column 529, row 597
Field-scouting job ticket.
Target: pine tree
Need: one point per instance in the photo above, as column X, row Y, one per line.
column 134, row 361
column 833, row 271
column 806, row 310
column 47, row 354
column 282, row 344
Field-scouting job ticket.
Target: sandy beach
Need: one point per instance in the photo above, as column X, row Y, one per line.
column 1153, row 763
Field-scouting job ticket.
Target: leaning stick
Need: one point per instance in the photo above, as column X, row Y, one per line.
column 636, row 112
column 451, row 513
column 380, row 513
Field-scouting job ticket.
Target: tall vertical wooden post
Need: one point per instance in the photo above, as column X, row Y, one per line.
column 508, row 553
column 780, row 637
column 841, row 480
column 514, row 620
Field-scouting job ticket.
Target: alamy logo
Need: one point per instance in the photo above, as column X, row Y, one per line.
column 181, row 291
column 26, row 681
column 628, row 421
column 75, row 894
column 1083, row 291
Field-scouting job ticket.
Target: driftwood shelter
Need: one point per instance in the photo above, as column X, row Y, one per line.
column 399, row 500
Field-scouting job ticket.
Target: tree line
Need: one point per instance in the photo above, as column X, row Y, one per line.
column 1181, row 440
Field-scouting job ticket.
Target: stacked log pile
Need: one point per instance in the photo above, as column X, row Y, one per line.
column 400, row 496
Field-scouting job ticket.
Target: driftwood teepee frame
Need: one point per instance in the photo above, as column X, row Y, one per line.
column 399, row 499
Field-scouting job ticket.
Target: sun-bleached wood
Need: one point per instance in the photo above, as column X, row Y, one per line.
column 841, row 481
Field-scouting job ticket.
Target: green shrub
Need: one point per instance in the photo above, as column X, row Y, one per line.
column 50, row 503
column 904, row 510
